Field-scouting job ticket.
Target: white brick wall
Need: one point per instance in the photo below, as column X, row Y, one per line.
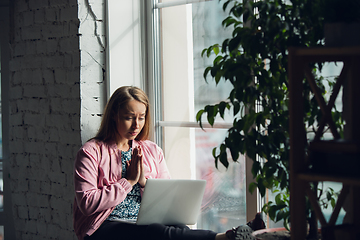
column 55, row 105
column 93, row 89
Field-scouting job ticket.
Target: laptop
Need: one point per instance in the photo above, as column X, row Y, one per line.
column 171, row 201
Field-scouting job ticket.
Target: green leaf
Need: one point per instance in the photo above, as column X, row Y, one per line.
column 234, row 153
column 278, row 200
column 328, row 196
column 216, row 49
column 225, row 5
column 214, row 152
column 236, row 108
column 272, row 212
column 280, row 215
column 252, row 187
column 284, row 181
column 199, row 114
column 211, row 113
column 333, row 203
column 203, row 52
column 255, row 168
column 261, row 187
column 270, row 172
column 222, row 106
column 218, row 58
column 286, row 223
column 228, row 21
column 223, row 159
column 206, row 72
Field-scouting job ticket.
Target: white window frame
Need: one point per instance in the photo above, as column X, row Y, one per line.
column 253, row 201
column 149, row 43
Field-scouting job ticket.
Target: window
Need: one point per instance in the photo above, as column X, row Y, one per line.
column 182, row 32
column 158, row 47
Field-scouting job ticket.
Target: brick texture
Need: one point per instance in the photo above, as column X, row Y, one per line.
column 51, row 107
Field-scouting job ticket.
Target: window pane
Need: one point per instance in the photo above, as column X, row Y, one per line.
column 224, row 203
column 208, row 30
column 185, row 31
column 177, row 63
column 224, row 199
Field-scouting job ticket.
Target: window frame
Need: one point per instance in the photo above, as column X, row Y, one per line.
column 152, row 37
column 148, row 17
column 151, row 47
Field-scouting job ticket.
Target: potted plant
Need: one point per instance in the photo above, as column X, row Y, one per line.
column 254, row 61
column 342, row 22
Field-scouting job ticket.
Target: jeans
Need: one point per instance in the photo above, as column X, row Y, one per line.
column 126, row 231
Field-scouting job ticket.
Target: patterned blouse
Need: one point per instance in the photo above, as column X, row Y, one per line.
column 129, row 208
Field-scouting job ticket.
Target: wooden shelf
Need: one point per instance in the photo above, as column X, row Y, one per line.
column 335, row 146
column 335, row 160
column 315, row 177
column 333, row 52
column 326, row 54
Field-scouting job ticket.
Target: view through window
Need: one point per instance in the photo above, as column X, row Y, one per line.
column 185, row 30
column 177, row 91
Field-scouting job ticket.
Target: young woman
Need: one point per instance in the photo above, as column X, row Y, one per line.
column 110, row 174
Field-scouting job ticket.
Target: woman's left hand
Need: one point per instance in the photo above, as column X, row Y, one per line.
column 137, row 159
column 142, row 179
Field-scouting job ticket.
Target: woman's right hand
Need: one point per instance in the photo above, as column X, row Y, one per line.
column 134, row 167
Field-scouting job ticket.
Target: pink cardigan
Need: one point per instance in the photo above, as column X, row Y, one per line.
column 99, row 186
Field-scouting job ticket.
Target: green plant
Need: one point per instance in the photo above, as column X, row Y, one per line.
column 254, row 60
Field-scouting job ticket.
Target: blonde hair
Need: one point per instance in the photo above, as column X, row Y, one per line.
column 117, row 102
